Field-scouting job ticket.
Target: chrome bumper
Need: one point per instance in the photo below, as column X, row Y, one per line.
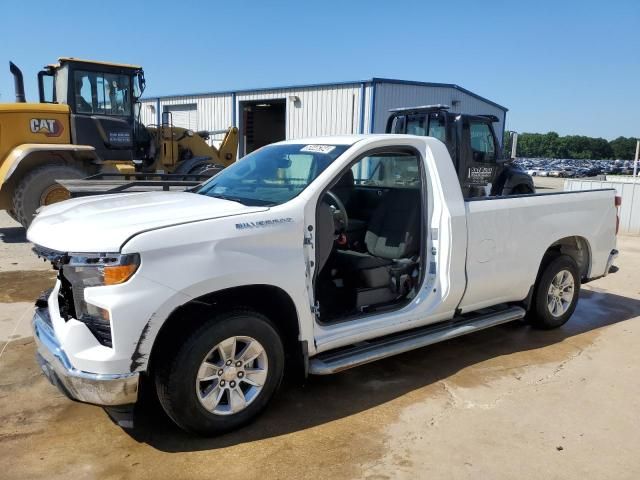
column 96, row 388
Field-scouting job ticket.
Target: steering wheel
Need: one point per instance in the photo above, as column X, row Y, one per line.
column 339, row 211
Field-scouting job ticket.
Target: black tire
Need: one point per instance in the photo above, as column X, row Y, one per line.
column 13, row 215
column 541, row 315
column 522, row 189
column 176, row 373
column 27, row 197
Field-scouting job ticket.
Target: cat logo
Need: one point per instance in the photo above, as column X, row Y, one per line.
column 47, row 127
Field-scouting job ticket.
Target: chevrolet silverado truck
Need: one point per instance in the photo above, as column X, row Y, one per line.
column 319, row 254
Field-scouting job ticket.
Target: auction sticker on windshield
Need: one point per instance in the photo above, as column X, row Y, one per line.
column 318, row 148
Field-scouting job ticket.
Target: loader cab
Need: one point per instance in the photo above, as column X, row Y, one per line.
column 103, row 102
column 470, row 140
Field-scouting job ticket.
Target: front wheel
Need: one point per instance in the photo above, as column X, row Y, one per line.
column 556, row 294
column 222, row 375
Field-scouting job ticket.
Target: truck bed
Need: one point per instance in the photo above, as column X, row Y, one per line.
column 507, row 237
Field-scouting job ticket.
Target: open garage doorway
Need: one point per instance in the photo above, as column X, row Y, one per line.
column 263, row 122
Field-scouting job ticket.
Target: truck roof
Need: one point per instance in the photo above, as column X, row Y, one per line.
column 62, row 60
column 343, row 139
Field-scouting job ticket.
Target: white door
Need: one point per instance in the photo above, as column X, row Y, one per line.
column 184, row 116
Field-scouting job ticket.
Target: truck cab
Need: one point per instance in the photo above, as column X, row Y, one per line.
column 473, row 145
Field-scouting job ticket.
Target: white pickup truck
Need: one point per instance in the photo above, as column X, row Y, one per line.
column 322, row 253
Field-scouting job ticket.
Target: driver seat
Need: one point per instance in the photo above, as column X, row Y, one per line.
column 392, row 240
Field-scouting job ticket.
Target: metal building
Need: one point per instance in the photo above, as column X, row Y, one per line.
column 266, row 115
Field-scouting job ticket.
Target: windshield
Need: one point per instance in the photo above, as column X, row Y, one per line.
column 104, row 93
column 272, row 175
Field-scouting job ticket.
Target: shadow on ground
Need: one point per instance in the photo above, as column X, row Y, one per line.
column 325, row 399
column 13, row 235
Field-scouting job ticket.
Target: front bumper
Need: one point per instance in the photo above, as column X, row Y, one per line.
column 96, row 388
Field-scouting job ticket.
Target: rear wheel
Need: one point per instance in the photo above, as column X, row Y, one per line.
column 39, row 188
column 222, row 375
column 556, row 294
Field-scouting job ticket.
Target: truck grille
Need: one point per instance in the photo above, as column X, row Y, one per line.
column 97, row 326
column 65, row 298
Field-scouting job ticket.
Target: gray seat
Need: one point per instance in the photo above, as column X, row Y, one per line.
column 392, row 239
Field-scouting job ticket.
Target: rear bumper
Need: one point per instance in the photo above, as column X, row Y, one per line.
column 96, row 388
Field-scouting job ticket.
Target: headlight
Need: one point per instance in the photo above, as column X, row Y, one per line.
column 95, row 270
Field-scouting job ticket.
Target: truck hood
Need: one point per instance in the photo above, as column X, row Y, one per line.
column 104, row 223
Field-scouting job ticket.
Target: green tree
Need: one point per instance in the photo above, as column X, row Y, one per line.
column 623, row 148
column 552, row 145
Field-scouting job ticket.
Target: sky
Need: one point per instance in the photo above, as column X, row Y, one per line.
column 567, row 66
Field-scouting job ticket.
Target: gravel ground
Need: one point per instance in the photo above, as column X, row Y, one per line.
column 509, row 402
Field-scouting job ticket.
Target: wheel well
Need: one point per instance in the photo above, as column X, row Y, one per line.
column 271, row 301
column 577, row 248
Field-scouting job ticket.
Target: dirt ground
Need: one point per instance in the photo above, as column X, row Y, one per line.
column 505, row 403
column 548, row 184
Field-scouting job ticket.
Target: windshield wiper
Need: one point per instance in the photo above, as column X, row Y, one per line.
column 227, row 197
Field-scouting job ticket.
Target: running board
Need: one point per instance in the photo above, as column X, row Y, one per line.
column 337, row 360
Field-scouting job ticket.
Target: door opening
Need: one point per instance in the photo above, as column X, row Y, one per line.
column 263, row 122
column 370, row 221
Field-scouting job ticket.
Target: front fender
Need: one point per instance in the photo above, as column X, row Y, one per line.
column 512, row 177
column 34, row 153
column 196, row 259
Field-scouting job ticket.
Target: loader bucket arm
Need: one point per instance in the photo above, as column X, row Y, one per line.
column 228, row 150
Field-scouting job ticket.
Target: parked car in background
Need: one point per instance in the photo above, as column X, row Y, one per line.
column 563, row 168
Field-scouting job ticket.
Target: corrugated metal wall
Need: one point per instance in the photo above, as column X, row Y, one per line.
column 325, row 109
column 214, row 112
column 328, row 110
column 630, row 193
column 396, row 95
column 148, row 112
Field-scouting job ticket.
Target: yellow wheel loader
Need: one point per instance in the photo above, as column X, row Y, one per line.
column 87, row 122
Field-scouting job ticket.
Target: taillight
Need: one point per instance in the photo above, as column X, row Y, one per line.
column 617, row 202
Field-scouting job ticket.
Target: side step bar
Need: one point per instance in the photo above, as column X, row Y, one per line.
column 337, row 360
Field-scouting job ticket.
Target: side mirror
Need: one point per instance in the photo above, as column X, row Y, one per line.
column 510, row 142
column 514, row 144
column 142, row 83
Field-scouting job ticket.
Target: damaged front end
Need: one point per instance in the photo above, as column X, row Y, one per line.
column 77, row 271
column 66, row 303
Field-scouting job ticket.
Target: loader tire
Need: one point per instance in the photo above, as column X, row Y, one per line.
column 13, row 215
column 39, row 188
